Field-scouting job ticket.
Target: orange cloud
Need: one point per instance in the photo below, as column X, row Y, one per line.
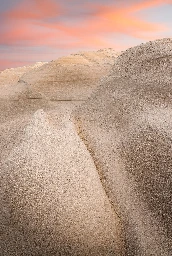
column 109, row 20
column 123, row 20
column 31, row 24
column 106, row 20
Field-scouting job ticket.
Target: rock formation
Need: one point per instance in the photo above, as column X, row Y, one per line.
column 70, row 78
column 52, row 200
column 86, row 158
column 127, row 128
column 9, row 79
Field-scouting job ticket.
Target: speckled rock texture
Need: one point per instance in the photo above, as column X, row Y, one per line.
column 127, row 127
column 86, row 157
column 147, row 62
column 52, row 201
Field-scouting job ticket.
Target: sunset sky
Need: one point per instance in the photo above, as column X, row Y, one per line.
column 42, row 30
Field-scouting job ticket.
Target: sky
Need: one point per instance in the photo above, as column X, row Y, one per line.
column 43, row 30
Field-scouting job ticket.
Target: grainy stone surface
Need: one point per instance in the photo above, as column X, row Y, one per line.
column 127, row 127
column 51, row 198
column 97, row 181
column 150, row 62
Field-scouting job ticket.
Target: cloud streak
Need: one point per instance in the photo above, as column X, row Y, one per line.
column 53, row 24
column 34, row 9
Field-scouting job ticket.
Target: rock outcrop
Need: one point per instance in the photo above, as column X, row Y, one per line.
column 9, row 79
column 70, row 78
column 53, row 202
column 86, row 157
column 52, row 199
column 127, row 127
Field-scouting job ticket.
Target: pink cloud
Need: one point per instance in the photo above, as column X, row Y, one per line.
column 107, row 19
column 4, row 64
column 27, row 24
column 34, row 9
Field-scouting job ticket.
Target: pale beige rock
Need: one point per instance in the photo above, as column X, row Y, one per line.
column 10, row 77
column 54, row 202
column 111, row 196
column 69, row 78
column 52, row 199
